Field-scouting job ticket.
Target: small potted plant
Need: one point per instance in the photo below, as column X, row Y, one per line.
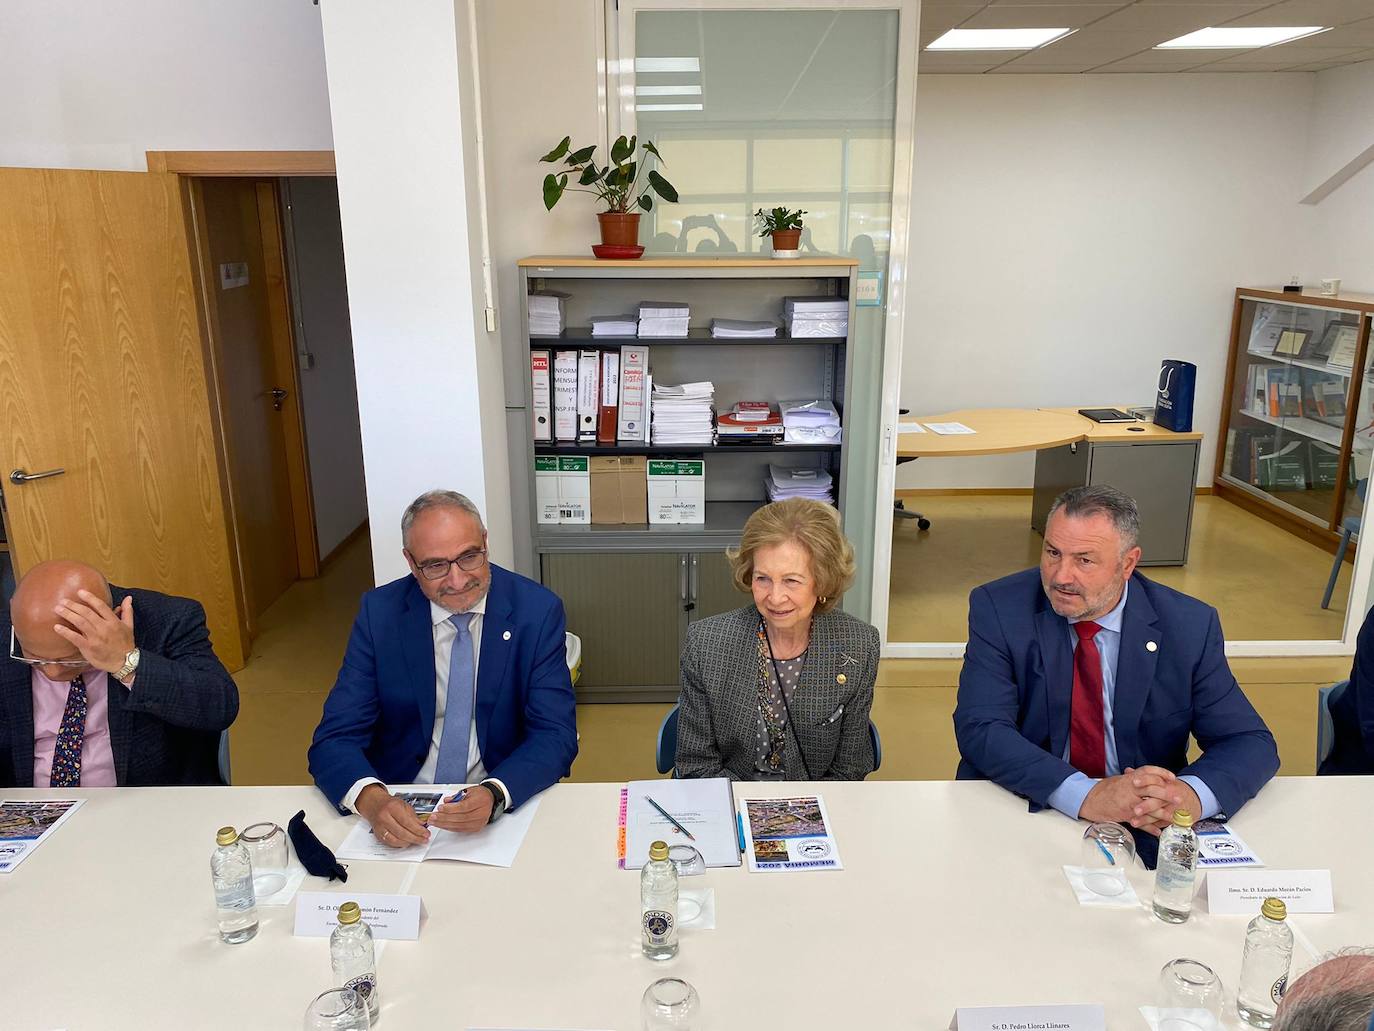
column 782, row 225
column 616, row 184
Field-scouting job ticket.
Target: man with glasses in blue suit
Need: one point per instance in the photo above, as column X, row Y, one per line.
column 453, row 675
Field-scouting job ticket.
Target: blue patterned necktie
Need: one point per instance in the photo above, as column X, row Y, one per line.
column 66, row 758
column 452, row 766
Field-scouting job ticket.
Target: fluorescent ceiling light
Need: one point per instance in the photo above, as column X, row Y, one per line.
column 1241, row 38
column 997, row 39
column 667, row 107
column 668, row 91
column 667, row 64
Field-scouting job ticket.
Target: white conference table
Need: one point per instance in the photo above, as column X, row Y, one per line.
column 951, row 895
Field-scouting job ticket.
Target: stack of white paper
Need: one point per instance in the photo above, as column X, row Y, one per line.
column 613, row 325
column 810, row 422
column 546, row 313
column 816, row 316
column 742, row 328
column 683, row 414
column 663, row 319
column 782, row 484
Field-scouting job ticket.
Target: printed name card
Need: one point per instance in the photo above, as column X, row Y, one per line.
column 1243, row 891
column 1029, row 1018
column 390, row 916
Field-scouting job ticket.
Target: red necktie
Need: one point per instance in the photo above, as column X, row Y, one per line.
column 1087, row 727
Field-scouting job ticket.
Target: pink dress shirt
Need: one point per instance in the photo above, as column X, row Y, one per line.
column 97, row 756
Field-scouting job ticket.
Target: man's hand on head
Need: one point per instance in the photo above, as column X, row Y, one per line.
column 103, row 635
column 471, row 812
column 1114, row 799
column 393, row 821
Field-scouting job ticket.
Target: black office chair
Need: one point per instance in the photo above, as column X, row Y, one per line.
column 898, row 505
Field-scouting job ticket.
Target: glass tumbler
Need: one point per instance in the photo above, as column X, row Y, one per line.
column 669, row 1004
column 688, row 862
column 1191, row 997
column 1106, row 856
column 266, row 845
column 339, row 1009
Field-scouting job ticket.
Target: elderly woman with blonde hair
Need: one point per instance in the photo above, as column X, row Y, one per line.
column 781, row 688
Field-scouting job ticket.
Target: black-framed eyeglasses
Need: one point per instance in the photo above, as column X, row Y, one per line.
column 66, row 663
column 437, row 568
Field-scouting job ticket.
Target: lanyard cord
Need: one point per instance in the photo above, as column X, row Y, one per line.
column 783, row 692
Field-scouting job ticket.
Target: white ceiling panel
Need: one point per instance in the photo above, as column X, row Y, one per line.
column 1310, row 12
column 1168, row 22
column 1068, row 16
column 937, row 20
column 1016, row 68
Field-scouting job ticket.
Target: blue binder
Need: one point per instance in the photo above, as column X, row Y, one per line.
column 1174, row 395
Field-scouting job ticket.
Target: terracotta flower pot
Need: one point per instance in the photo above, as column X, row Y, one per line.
column 786, row 239
column 619, row 229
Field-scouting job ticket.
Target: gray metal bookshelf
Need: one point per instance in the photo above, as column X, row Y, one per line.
column 631, row 590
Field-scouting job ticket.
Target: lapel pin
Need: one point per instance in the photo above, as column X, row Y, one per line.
column 846, row 659
column 841, row 679
column 1150, row 646
column 506, row 637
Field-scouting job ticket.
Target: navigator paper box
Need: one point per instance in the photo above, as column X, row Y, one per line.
column 574, row 491
column 677, row 491
column 546, row 488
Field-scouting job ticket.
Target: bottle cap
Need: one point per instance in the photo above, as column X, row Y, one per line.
column 226, row 836
column 658, row 851
column 1274, row 909
column 1183, row 818
column 349, row 913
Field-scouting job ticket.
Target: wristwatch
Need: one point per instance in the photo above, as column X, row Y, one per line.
column 498, row 799
column 128, row 669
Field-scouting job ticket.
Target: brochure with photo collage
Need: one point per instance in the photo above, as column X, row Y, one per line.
column 788, row 834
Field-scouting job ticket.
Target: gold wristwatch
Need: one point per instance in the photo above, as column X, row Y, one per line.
column 130, row 666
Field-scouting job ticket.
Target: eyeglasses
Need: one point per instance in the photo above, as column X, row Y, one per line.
column 437, row 568
column 66, row 663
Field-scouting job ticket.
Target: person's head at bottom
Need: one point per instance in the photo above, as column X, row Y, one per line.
column 795, row 562
column 1335, row 995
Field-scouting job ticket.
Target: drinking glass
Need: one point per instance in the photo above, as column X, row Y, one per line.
column 669, row 1004
column 686, row 860
column 339, row 1009
column 1190, row 997
column 1105, row 856
column 266, row 845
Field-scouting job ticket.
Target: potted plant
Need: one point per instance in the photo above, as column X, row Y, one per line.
column 782, row 225
column 616, row 184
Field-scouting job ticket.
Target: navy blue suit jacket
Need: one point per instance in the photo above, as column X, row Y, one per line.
column 1353, row 712
column 379, row 718
column 1012, row 716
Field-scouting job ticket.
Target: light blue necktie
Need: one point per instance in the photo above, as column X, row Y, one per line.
column 452, row 767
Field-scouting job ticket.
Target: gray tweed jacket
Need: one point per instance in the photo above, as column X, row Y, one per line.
column 718, row 719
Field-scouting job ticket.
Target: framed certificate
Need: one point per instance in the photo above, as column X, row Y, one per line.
column 1344, row 340
column 1292, row 342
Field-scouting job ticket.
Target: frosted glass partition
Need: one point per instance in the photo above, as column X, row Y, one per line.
column 793, row 108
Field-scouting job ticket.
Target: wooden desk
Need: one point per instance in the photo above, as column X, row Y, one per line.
column 1130, row 432
column 951, row 895
column 998, row 431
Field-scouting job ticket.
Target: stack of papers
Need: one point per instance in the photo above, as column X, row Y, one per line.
column 749, row 420
column 706, row 808
column 782, row 484
column 816, row 316
column 546, row 313
column 663, row 319
column 742, row 328
column 683, row 414
column 613, row 325
column 810, row 422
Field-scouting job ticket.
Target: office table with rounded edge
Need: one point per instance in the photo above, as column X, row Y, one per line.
column 998, row 431
column 951, row 895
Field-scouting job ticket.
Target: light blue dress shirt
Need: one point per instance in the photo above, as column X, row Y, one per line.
column 1068, row 797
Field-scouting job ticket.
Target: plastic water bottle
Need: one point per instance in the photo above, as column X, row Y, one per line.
column 1264, row 967
column 354, row 958
column 231, row 869
column 658, row 904
column 1176, row 869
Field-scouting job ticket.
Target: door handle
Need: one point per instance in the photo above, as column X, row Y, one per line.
column 682, row 582
column 696, row 581
column 19, row 476
column 278, row 396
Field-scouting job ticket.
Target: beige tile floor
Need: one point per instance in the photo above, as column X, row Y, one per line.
column 296, row 656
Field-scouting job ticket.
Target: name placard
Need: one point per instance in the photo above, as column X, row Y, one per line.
column 390, row 916
column 1029, row 1018
column 1242, row 891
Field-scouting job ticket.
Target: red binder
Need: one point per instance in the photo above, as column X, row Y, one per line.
column 610, row 397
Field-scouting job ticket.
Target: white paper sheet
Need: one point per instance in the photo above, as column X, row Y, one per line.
column 910, row 427
column 949, row 429
column 1077, row 877
column 496, row 844
column 705, row 807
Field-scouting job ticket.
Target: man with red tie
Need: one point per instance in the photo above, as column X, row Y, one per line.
column 107, row 686
column 1082, row 682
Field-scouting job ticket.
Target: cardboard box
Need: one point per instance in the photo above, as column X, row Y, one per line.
column 619, row 490
column 676, row 491
column 574, row 491
column 546, row 483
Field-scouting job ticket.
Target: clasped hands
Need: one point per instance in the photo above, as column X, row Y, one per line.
column 1144, row 798
column 395, row 824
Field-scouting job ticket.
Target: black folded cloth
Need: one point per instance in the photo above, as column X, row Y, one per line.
column 311, row 851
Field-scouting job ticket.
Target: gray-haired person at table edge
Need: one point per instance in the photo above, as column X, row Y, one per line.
column 1335, row 995
column 107, row 685
column 781, row 688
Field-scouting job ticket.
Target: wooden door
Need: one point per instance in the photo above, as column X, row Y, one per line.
column 250, row 337
column 102, row 375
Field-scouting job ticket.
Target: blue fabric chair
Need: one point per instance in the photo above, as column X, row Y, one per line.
column 1350, row 525
column 1326, row 726
column 666, row 753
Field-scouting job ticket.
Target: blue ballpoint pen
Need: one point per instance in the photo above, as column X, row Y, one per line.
column 739, row 831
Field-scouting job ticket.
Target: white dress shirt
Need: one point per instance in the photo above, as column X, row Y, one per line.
column 444, row 633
